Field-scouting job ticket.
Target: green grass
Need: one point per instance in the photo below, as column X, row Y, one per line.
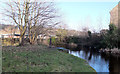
column 41, row 59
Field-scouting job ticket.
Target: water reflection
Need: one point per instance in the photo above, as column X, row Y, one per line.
column 114, row 64
column 100, row 62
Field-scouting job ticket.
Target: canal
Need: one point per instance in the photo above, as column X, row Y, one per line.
column 101, row 62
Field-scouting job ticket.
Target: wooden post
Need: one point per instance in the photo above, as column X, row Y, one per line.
column 50, row 42
column 11, row 40
column 3, row 39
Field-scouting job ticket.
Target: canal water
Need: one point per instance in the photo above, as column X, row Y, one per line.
column 101, row 62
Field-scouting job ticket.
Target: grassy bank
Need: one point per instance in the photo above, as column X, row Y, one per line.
column 41, row 59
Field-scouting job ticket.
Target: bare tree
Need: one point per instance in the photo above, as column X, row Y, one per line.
column 61, row 33
column 34, row 16
column 44, row 18
column 85, row 29
column 18, row 12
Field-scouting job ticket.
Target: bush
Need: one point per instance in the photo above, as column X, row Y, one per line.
column 112, row 38
column 53, row 40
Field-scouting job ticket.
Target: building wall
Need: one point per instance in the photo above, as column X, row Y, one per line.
column 115, row 15
column 119, row 15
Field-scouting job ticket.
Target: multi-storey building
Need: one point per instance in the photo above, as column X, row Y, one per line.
column 115, row 15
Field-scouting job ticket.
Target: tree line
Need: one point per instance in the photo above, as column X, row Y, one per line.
column 110, row 38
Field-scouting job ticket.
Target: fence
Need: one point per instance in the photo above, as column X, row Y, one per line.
column 8, row 40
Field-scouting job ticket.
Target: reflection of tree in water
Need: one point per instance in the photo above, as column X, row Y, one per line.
column 86, row 53
column 105, row 56
column 79, row 53
column 100, row 61
column 114, row 64
column 89, row 58
column 82, row 53
column 95, row 54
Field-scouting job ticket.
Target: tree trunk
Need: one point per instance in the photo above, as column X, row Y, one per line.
column 21, row 40
column 33, row 42
column 33, row 38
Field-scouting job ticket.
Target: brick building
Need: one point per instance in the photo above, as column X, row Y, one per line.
column 115, row 15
